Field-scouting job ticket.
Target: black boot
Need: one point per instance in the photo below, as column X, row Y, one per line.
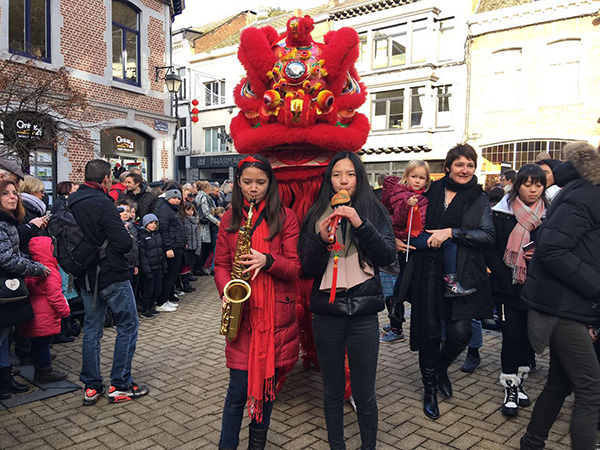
column 257, row 440
column 452, row 288
column 4, row 393
column 510, row 383
column 450, row 351
column 227, row 448
column 430, row 404
column 48, row 375
column 185, row 281
column 8, row 383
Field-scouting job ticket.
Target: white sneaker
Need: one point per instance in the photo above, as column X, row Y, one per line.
column 165, row 308
column 172, row 305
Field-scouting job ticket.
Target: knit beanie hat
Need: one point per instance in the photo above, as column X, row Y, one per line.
column 552, row 163
column 149, row 218
column 171, row 193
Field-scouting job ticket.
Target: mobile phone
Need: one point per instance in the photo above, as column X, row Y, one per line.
column 529, row 246
column 48, row 215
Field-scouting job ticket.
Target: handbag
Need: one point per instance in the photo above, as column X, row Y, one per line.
column 12, row 288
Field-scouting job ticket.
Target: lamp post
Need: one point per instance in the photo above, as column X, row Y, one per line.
column 173, row 83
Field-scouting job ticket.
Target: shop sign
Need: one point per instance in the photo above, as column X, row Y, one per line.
column 124, row 144
column 25, row 129
column 207, row 162
column 161, row 125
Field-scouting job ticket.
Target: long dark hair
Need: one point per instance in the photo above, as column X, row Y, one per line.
column 526, row 172
column 19, row 212
column 363, row 200
column 274, row 214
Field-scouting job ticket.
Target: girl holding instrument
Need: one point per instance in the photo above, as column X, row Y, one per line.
column 268, row 336
column 364, row 240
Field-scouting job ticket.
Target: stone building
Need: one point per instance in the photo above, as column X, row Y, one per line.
column 117, row 52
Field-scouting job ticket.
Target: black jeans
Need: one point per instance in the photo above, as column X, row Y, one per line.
column 151, row 289
column 359, row 336
column 516, row 350
column 168, row 282
column 573, row 368
column 40, row 351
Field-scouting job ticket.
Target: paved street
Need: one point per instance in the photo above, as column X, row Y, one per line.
column 181, row 357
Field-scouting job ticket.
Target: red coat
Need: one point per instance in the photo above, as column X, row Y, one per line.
column 45, row 293
column 116, row 190
column 285, row 269
column 395, row 197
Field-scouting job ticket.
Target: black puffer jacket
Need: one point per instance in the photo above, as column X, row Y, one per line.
column 503, row 289
column 133, row 255
column 98, row 218
column 192, row 233
column 13, row 263
column 152, row 253
column 564, row 275
column 170, row 225
column 366, row 298
column 144, row 199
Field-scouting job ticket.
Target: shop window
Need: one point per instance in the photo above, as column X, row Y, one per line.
column 215, row 93
column 212, row 140
column 388, row 110
column 29, row 28
column 125, row 42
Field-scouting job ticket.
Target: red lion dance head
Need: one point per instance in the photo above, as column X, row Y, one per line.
column 298, row 104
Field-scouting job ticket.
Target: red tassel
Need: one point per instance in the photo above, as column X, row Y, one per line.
column 336, row 257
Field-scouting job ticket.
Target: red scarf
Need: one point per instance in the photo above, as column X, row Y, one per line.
column 96, row 186
column 261, row 358
column 528, row 219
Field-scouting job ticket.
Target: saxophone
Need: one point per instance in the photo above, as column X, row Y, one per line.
column 237, row 290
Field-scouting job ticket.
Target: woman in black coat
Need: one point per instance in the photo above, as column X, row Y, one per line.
column 347, row 321
column 12, row 264
column 516, row 220
column 563, row 293
column 459, row 210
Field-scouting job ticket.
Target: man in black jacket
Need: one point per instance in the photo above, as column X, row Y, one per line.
column 139, row 192
column 563, row 292
column 97, row 216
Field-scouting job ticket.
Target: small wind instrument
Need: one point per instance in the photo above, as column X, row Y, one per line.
column 237, row 290
column 339, row 199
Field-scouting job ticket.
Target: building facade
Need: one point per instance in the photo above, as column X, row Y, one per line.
column 534, row 77
column 115, row 51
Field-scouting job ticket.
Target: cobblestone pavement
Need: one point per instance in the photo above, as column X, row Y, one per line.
column 181, row 357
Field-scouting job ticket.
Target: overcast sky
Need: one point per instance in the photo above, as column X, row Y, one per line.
column 200, row 12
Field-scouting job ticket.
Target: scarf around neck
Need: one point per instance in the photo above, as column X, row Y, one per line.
column 261, row 357
column 439, row 217
column 35, row 202
column 528, row 219
column 350, row 271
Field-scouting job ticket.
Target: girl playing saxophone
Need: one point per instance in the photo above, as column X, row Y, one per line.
column 268, row 332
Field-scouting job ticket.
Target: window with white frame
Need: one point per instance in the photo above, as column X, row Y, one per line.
column 444, row 96
column 446, row 40
column 420, row 42
column 362, row 62
column 417, row 95
column 212, row 140
column 183, row 89
column 183, row 134
column 388, row 110
column 125, row 42
column 389, row 46
column 505, row 88
column 215, row 93
column 563, row 70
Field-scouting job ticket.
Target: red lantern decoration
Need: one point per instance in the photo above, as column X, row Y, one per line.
column 195, row 111
column 195, row 119
column 195, row 102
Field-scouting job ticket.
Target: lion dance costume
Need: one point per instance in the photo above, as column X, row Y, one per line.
column 298, row 106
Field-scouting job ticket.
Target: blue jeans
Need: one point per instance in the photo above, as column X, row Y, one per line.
column 449, row 251
column 359, row 336
column 476, row 334
column 4, row 346
column 235, row 405
column 119, row 297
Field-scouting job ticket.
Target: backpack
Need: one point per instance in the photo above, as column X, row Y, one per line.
column 74, row 252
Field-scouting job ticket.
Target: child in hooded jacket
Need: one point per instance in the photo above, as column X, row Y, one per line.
column 49, row 307
column 152, row 264
column 193, row 246
column 400, row 196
